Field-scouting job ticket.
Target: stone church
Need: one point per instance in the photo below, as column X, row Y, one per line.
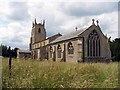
column 82, row 45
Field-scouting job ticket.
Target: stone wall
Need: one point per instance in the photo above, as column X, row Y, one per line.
column 65, row 56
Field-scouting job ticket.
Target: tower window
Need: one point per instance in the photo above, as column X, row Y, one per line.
column 39, row 30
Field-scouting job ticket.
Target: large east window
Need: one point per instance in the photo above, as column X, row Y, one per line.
column 93, row 44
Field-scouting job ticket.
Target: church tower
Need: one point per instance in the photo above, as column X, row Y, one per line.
column 38, row 32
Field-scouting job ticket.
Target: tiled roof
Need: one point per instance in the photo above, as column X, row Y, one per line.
column 69, row 36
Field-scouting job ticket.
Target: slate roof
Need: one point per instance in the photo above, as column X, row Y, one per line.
column 69, row 36
column 52, row 38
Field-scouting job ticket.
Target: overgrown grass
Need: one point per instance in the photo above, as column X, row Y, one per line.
column 48, row 74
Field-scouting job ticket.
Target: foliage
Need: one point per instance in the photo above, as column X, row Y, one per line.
column 6, row 51
column 3, row 50
column 37, row 74
column 115, row 49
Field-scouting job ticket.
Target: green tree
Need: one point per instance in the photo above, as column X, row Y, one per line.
column 6, row 51
column 9, row 52
column 115, row 49
column 15, row 52
column 0, row 50
column 3, row 50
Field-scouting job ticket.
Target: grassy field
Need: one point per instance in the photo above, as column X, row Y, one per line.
column 36, row 74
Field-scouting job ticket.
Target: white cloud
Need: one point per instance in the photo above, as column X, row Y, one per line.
column 88, row 9
column 4, row 8
column 15, row 23
column 109, row 24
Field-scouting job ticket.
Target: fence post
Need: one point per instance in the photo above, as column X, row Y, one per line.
column 10, row 67
column 10, row 63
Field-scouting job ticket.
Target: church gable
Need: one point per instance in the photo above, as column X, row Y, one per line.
column 96, row 44
column 92, row 28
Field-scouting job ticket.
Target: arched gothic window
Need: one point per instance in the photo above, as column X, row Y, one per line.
column 51, row 51
column 59, row 50
column 93, row 44
column 39, row 30
column 70, row 48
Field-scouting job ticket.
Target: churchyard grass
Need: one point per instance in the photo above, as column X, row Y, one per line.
column 27, row 73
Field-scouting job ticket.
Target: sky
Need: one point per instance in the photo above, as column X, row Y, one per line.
column 16, row 18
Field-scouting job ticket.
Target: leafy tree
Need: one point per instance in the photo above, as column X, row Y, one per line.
column 115, row 49
column 9, row 52
column 6, row 51
column 14, row 52
column 0, row 50
column 3, row 50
